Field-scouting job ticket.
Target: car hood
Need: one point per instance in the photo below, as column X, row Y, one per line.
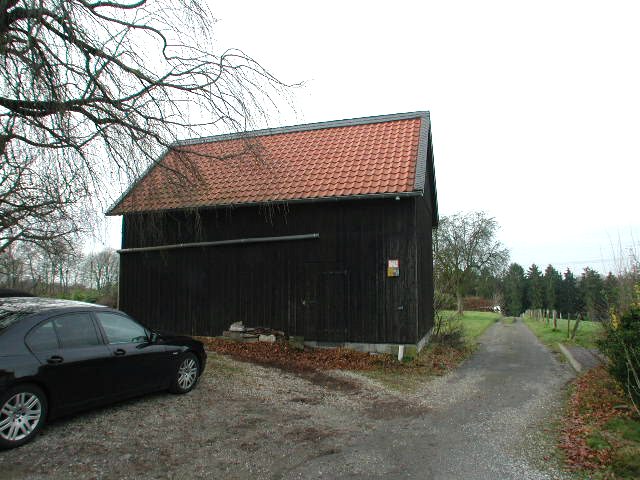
column 177, row 339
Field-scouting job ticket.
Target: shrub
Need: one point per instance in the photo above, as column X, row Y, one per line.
column 448, row 330
column 84, row 295
column 109, row 299
column 443, row 300
column 622, row 345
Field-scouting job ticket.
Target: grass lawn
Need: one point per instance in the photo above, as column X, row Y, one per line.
column 586, row 336
column 474, row 324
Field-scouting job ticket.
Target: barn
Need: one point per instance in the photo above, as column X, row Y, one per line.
column 320, row 230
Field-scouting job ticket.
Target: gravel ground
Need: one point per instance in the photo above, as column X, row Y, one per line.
column 245, row 421
column 242, row 421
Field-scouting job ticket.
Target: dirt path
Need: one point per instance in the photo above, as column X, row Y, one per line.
column 250, row 422
column 483, row 423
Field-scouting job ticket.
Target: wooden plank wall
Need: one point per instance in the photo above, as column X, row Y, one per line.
column 425, row 288
column 202, row 290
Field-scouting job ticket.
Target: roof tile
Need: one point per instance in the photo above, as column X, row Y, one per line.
column 362, row 158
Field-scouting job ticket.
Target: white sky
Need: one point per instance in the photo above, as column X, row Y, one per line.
column 534, row 105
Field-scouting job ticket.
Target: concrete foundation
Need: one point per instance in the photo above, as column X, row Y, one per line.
column 410, row 349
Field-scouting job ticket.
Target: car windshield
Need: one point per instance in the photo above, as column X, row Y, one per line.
column 8, row 318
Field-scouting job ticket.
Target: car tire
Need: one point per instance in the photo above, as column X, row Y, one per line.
column 186, row 375
column 23, row 410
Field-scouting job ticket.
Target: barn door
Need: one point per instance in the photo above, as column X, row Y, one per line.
column 323, row 302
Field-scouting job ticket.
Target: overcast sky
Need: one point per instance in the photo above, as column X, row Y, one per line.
column 534, row 105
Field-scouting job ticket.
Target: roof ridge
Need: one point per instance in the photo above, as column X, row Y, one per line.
column 305, row 127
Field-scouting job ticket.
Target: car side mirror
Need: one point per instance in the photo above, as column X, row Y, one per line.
column 153, row 337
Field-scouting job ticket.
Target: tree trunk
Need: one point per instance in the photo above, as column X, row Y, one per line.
column 459, row 299
column 575, row 328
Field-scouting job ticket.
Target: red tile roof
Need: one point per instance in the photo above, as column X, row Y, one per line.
column 375, row 155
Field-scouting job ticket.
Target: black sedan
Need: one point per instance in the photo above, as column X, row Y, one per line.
column 60, row 356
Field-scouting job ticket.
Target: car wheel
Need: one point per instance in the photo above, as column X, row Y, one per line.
column 23, row 410
column 187, row 374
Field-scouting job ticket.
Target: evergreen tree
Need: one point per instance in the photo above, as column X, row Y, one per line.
column 592, row 289
column 514, row 290
column 552, row 288
column 535, row 287
column 569, row 302
column 611, row 291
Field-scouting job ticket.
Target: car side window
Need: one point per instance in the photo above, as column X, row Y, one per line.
column 76, row 330
column 121, row 329
column 43, row 338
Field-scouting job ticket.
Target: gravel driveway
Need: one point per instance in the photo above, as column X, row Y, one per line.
column 484, row 420
column 245, row 421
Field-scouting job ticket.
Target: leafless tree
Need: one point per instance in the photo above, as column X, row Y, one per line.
column 12, row 268
column 36, row 201
column 63, row 259
column 466, row 243
column 102, row 269
column 626, row 259
column 92, row 92
column 51, row 267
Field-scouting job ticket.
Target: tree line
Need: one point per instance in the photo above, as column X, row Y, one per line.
column 472, row 267
column 61, row 270
column 589, row 295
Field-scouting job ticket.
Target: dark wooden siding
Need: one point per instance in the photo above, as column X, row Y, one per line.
column 333, row 288
column 424, row 245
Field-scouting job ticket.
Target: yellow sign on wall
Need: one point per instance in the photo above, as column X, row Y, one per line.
column 393, row 268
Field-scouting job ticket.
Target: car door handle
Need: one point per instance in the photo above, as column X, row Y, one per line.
column 55, row 359
column 119, row 352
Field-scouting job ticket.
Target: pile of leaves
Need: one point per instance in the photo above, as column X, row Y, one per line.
column 436, row 359
column 595, row 400
column 285, row 356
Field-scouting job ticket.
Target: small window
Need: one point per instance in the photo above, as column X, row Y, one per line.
column 76, row 330
column 43, row 338
column 121, row 329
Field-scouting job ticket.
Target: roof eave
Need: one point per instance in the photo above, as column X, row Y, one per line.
column 423, row 151
column 340, row 198
column 425, row 178
column 134, row 184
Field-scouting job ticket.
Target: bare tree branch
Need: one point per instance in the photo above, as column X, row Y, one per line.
column 94, row 92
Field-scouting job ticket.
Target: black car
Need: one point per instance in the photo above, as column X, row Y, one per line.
column 10, row 292
column 60, row 356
